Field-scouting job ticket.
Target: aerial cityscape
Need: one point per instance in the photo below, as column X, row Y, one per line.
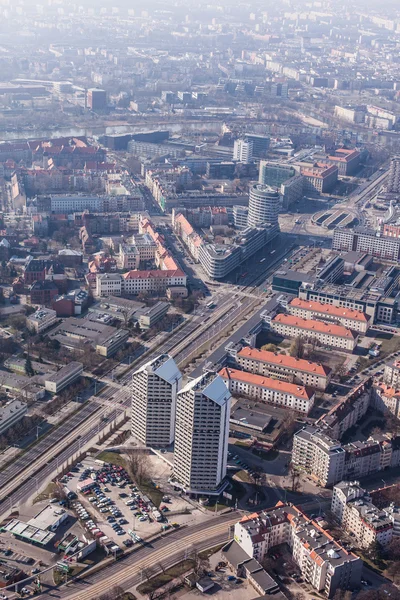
column 200, row 300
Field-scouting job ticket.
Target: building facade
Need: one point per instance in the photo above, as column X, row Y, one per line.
column 201, row 435
column 154, row 390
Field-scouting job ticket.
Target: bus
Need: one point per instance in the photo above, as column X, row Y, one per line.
column 210, row 305
column 262, row 260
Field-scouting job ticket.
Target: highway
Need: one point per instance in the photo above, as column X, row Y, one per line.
column 168, row 550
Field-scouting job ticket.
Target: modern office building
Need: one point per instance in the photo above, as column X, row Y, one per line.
column 260, row 144
column 275, row 173
column 201, row 435
column 154, row 390
column 96, row 99
column 264, row 205
column 243, row 151
column 42, row 319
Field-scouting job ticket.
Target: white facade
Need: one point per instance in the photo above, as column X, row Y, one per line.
column 154, row 390
column 318, row 455
column 11, row 413
column 42, row 319
column 243, row 151
column 134, row 282
column 264, row 205
column 201, row 435
column 272, row 391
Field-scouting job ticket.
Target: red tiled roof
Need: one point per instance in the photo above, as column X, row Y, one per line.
column 334, row 311
column 153, row 274
column 299, row 391
column 311, row 325
column 284, row 360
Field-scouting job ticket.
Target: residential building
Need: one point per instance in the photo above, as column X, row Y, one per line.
column 272, row 391
column 64, row 377
column 264, row 205
column 154, row 390
column 11, row 413
column 319, row 455
column 359, row 517
column 387, row 398
column 391, row 374
column 348, row 411
column 393, row 180
column 42, row 319
column 323, row 563
column 201, row 435
column 43, row 292
column 309, row 309
column 333, row 336
column 129, row 257
column 240, row 216
column 145, row 245
column 351, row 114
column 284, row 367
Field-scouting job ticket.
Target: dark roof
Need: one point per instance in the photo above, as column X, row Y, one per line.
column 43, row 285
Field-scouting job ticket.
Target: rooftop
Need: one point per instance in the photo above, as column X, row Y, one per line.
column 284, row 360
column 328, row 309
column 298, row 391
column 311, row 325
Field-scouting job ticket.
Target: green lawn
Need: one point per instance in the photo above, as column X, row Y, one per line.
column 111, row 457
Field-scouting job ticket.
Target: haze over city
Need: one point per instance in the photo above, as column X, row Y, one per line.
column 199, row 300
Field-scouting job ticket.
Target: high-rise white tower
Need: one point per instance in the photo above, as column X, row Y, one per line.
column 201, row 435
column 243, row 151
column 154, row 390
column 264, row 205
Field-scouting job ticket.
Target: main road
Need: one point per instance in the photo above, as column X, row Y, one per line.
column 166, row 550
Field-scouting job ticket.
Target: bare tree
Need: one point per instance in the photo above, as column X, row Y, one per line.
column 294, row 477
column 138, row 465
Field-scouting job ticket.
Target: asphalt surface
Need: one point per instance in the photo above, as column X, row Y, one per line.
column 141, row 553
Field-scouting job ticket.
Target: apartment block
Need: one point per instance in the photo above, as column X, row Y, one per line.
column 284, row 367
column 129, row 257
column 201, row 435
column 359, row 516
column 308, row 309
column 319, row 455
column 323, row 563
column 154, row 390
column 387, row 398
column 391, row 374
column 348, row 411
column 333, row 336
column 272, row 391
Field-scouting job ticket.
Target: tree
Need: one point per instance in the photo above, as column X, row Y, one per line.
column 269, row 348
column 392, row 550
column 297, row 348
column 375, row 550
column 138, row 465
column 28, row 367
column 294, row 477
column 394, row 571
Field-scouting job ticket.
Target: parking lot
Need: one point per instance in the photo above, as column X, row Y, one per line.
column 108, row 501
